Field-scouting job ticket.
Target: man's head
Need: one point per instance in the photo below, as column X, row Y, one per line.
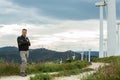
column 24, row 32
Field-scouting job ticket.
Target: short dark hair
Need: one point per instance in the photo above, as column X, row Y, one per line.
column 24, row 29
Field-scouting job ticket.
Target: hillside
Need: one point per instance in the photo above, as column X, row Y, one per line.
column 40, row 55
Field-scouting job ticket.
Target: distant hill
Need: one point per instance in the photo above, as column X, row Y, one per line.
column 93, row 53
column 11, row 54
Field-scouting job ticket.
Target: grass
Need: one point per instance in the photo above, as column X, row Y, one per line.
column 42, row 76
column 65, row 69
column 111, row 72
column 107, row 59
column 52, row 67
column 7, row 69
column 72, row 72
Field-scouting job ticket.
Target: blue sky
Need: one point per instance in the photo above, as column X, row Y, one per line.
column 68, row 24
column 64, row 9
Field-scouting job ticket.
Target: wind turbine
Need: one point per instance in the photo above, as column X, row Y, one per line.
column 82, row 55
column 118, row 36
column 101, row 40
column 89, row 55
column 111, row 29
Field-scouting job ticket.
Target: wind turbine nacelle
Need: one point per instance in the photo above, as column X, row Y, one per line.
column 98, row 4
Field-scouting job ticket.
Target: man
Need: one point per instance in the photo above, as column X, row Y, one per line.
column 23, row 45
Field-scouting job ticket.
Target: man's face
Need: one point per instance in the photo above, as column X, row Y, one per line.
column 24, row 32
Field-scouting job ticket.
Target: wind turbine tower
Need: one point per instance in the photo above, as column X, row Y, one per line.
column 111, row 29
column 101, row 40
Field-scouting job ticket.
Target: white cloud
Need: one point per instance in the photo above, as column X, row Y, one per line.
column 14, row 13
column 64, row 35
column 61, row 34
column 76, row 34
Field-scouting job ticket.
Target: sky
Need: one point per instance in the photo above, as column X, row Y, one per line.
column 54, row 24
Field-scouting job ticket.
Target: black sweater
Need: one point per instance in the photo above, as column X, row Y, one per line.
column 23, row 43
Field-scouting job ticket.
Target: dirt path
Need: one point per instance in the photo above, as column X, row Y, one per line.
column 75, row 77
column 94, row 66
column 16, row 78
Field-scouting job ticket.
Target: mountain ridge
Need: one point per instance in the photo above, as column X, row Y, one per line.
column 11, row 53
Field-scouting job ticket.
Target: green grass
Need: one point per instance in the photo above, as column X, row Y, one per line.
column 52, row 67
column 7, row 69
column 42, row 76
column 72, row 72
column 65, row 69
column 107, row 59
column 111, row 72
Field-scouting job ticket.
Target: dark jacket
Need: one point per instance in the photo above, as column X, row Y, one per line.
column 23, row 43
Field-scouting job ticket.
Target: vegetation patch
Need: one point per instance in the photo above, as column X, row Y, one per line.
column 43, row 76
column 7, row 69
column 111, row 72
column 72, row 72
column 53, row 67
column 107, row 59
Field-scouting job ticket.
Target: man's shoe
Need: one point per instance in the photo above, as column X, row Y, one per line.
column 23, row 74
